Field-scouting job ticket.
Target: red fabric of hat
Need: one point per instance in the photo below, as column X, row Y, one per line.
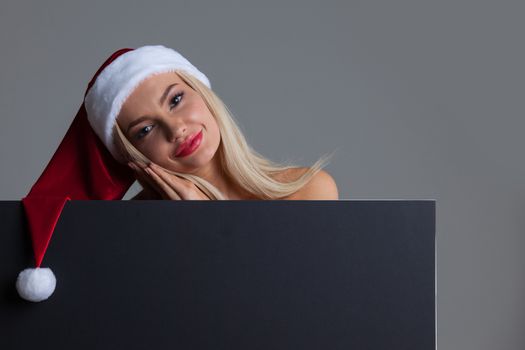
column 81, row 168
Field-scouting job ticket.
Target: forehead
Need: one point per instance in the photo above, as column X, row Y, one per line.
column 146, row 95
column 156, row 83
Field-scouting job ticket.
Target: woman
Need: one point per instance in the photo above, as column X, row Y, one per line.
column 152, row 109
column 195, row 150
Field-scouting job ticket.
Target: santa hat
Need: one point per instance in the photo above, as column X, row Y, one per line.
column 86, row 164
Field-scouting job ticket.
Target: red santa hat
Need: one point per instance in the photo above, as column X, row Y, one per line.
column 86, row 164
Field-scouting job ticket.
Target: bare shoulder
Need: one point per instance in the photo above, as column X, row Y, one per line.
column 321, row 187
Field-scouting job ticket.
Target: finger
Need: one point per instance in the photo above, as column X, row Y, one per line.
column 168, row 190
column 141, row 175
column 151, row 192
column 179, row 184
column 185, row 188
column 147, row 183
column 145, row 177
column 182, row 187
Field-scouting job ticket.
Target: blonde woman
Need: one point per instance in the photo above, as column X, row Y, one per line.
column 183, row 143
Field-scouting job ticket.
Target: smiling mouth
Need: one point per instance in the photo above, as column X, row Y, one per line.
column 184, row 147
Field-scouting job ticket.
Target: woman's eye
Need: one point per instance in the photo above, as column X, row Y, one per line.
column 176, row 99
column 141, row 133
column 173, row 102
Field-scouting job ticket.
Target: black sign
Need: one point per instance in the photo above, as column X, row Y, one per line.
column 226, row 275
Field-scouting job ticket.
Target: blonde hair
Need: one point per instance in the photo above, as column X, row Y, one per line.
column 239, row 162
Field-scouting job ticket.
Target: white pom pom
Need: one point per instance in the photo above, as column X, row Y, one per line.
column 36, row 284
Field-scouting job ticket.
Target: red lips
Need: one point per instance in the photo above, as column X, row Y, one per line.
column 188, row 145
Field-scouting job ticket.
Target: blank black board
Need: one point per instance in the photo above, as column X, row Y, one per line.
column 348, row 274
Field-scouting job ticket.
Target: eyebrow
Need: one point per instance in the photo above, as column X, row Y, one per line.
column 165, row 94
column 161, row 102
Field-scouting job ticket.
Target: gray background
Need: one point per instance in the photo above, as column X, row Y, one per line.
column 423, row 100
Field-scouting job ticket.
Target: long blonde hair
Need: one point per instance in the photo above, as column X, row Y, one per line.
column 239, row 162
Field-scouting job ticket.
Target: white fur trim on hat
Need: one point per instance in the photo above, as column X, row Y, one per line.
column 118, row 80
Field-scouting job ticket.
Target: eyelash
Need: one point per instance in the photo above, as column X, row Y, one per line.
column 140, row 135
column 174, row 97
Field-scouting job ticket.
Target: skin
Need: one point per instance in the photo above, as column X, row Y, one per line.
column 172, row 121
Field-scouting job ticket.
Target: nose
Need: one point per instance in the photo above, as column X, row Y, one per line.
column 176, row 131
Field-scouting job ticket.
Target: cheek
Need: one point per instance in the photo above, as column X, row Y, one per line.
column 213, row 132
column 204, row 117
column 209, row 121
column 153, row 149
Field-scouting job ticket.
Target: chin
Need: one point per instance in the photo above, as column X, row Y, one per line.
column 190, row 164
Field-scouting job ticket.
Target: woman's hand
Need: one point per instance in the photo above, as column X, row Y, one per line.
column 149, row 191
column 155, row 180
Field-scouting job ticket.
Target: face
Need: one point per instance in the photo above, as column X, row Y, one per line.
column 156, row 128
